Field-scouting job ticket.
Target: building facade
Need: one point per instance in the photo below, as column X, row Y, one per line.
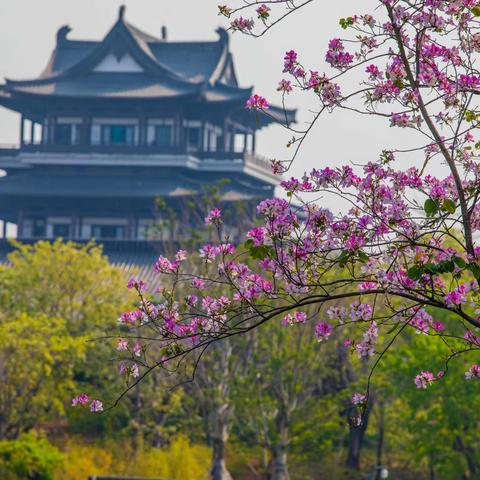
column 110, row 126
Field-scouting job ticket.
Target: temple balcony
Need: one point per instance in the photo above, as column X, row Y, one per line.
column 28, row 155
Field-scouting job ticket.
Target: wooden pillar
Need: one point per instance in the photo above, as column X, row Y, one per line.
column 4, row 229
column 32, row 132
column 202, row 137
column 232, row 139
column 22, row 130
column 254, row 141
column 142, row 136
column 51, row 130
column 182, row 140
column 85, row 134
column 20, row 224
column 245, row 134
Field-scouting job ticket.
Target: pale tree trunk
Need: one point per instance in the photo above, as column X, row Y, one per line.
column 280, row 448
column 219, row 441
column 381, row 437
column 220, row 416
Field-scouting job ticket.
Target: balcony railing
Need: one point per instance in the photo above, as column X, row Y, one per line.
column 246, row 158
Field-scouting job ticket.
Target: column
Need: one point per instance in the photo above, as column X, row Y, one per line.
column 142, row 125
column 32, row 132
column 22, row 130
column 232, row 139
column 86, row 128
column 20, row 225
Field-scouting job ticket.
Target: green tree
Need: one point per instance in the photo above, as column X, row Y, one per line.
column 64, row 280
column 37, row 361
column 31, row 457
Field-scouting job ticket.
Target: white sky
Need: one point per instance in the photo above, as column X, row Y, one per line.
column 27, row 37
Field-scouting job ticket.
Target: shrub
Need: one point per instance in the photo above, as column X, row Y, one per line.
column 30, row 457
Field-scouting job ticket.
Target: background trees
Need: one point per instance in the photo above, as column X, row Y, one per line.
column 274, row 403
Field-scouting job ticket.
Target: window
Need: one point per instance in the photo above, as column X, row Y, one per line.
column 39, row 228
column 96, row 138
column 103, row 133
column 118, row 134
column 114, row 232
column 61, row 230
column 160, row 132
column 193, row 136
column 67, row 133
column 163, row 135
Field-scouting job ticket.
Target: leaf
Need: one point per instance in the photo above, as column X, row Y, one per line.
column 475, row 269
column 430, row 207
column 415, row 272
column 362, row 256
column 448, row 206
column 459, row 262
column 248, row 244
column 476, row 11
column 343, row 258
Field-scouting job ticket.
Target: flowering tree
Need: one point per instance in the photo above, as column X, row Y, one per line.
column 403, row 249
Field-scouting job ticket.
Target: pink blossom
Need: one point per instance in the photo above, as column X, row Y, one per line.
column 294, row 318
column 359, row 398
column 323, row 330
column 290, row 61
column 242, row 24
column 137, row 349
column 473, row 372
column 96, row 406
column 81, row 399
column 137, row 284
column 214, row 217
column 424, row 379
column 257, row 102
column 198, row 283
column 263, row 11
column 122, row 344
column 284, row 86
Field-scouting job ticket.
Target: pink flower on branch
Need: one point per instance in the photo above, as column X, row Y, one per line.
column 257, row 102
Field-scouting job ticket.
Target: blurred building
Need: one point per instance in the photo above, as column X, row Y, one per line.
column 111, row 125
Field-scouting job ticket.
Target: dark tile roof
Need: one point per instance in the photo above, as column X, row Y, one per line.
column 204, row 70
column 129, row 85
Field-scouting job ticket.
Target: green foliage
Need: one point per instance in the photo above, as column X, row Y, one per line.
column 38, row 357
column 178, row 461
column 30, row 457
column 63, row 280
column 55, row 297
column 438, row 425
column 431, row 207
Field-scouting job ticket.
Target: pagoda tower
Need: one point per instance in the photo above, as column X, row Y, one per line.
column 109, row 126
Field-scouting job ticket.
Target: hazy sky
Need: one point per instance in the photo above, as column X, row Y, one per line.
column 27, row 37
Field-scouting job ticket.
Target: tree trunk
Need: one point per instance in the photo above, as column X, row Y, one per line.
column 279, row 463
column 356, row 436
column 468, row 453
column 219, row 441
column 381, row 436
column 280, row 448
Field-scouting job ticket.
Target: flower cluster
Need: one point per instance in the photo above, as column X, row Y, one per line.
column 424, row 379
column 257, row 102
column 83, row 400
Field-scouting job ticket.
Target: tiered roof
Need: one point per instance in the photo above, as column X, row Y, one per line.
column 146, row 67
